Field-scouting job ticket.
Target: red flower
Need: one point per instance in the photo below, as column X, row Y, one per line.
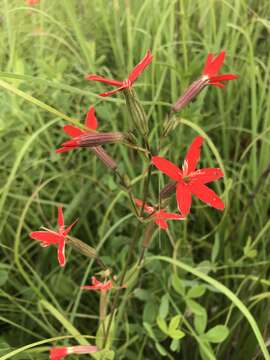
column 135, row 73
column 209, row 77
column 59, row 353
column 75, row 132
column 82, row 138
column 32, row 2
column 211, row 70
column 50, row 237
column 160, row 216
column 190, row 181
column 98, row 285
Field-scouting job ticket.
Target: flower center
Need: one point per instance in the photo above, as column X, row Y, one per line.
column 186, row 179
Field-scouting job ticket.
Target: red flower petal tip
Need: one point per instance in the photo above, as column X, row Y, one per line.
column 121, row 85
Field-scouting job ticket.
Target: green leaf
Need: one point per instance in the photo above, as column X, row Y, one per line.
column 100, row 335
column 200, row 322
column 4, row 269
column 195, row 307
column 164, row 306
column 178, row 285
column 206, row 351
column 215, row 248
column 63, row 285
column 174, row 323
column 217, row 334
column 176, row 334
column 150, row 312
column 196, row 291
column 149, row 331
column 175, row 345
column 162, row 325
column 160, row 349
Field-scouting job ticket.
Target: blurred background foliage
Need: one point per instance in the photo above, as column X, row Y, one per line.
column 46, row 51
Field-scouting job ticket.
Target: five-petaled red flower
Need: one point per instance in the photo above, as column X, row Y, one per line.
column 190, row 181
column 59, row 353
column 121, row 85
column 211, row 70
column 98, row 285
column 50, row 237
column 75, row 132
column 160, row 216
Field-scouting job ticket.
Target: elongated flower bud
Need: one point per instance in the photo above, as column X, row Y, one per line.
column 168, row 190
column 190, row 93
column 94, row 139
column 136, row 111
column 104, row 157
column 59, row 353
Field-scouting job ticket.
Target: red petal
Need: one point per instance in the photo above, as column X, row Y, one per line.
column 61, row 252
column 223, row 77
column 139, row 68
column 109, row 93
column 70, row 143
column 220, row 85
column 183, row 197
column 60, row 217
column 104, row 80
column 91, row 120
column 167, row 167
column 58, row 353
column 193, row 154
column 63, row 149
column 207, row 63
column 206, row 175
column 67, row 230
column 173, row 216
column 73, row 131
column 162, row 224
column 215, row 65
column 147, row 208
column 206, row 195
column 47, row 237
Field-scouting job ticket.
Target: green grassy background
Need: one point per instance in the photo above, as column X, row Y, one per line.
column 45, row 54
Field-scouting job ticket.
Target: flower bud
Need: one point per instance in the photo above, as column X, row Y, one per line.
column 136, row 111
column 104, row 157
column 190, row 93
column 168, row 190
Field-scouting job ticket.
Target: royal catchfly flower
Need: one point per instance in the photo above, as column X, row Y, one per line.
column 159, row 216
column 210, row 76
column 190, row 181
column 76, row 133
column 121, row 85
column 98, row 285
column 50, row 237
column 59, row 353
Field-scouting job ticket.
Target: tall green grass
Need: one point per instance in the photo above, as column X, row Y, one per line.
column 45, row 54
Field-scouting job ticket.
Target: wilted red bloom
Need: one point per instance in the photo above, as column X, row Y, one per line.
column 50, row 237
column 32, row 2
column 121, row 85
column 190, row 181
column 81, row 138
column 59, row 353
column 98, row 285
column 160, row 216
column 209, row 76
